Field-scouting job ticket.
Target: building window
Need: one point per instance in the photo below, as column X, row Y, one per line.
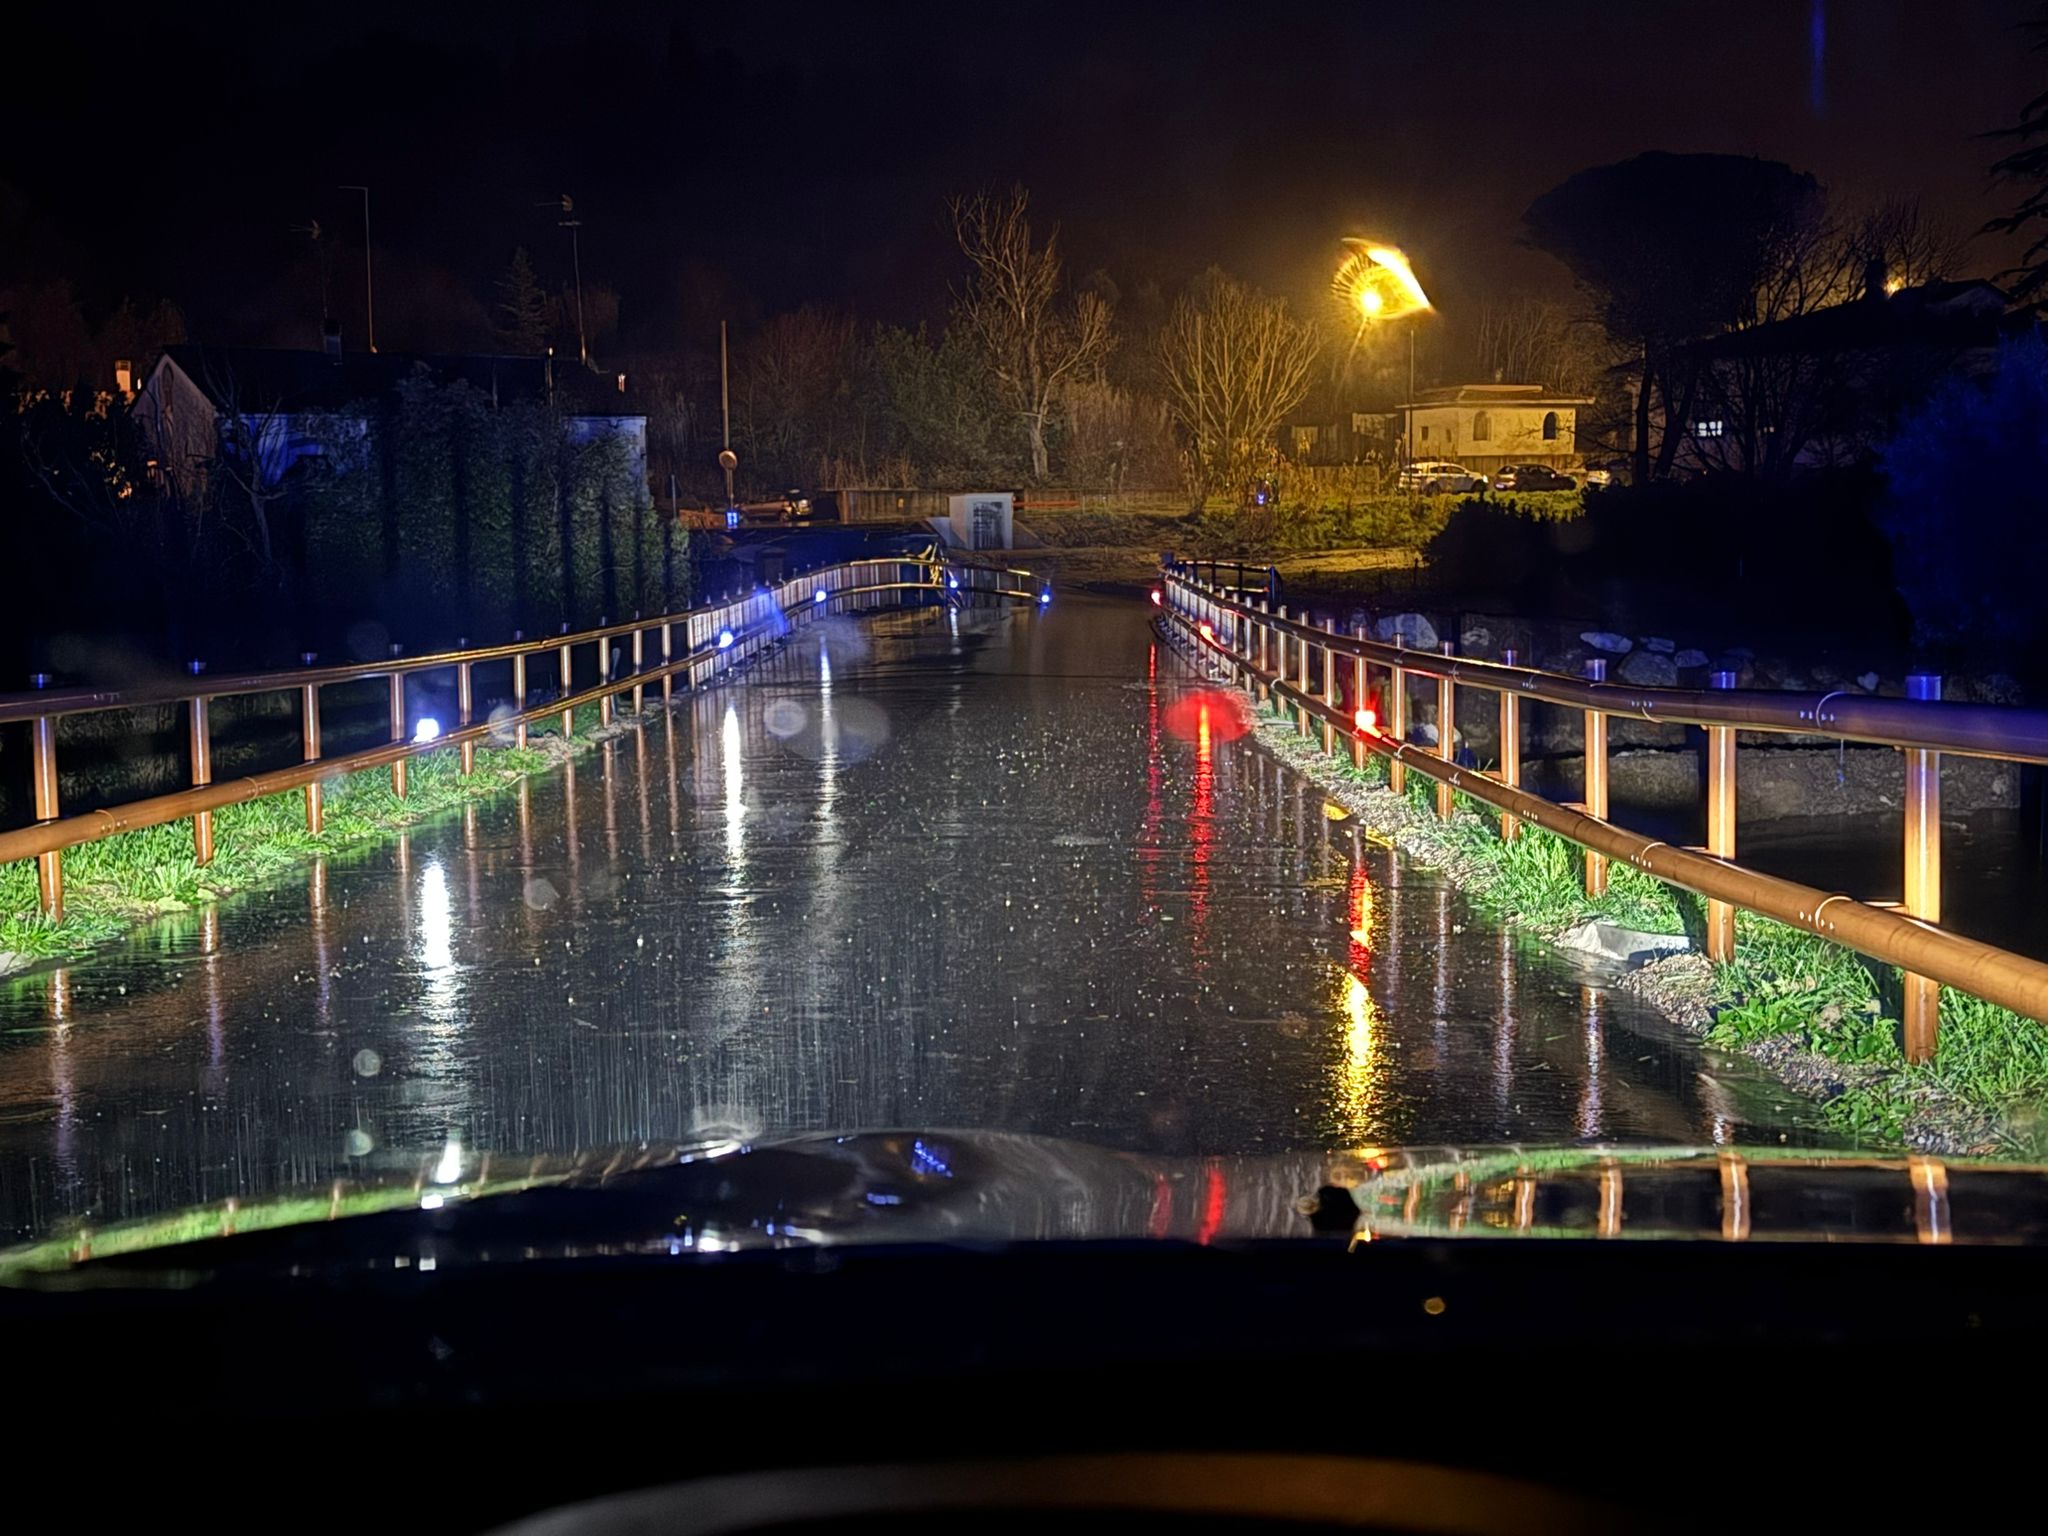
column 1305, row 438
column 1708, row 428
column 1425, row 434
column 1550, row 426
column 1482, row 426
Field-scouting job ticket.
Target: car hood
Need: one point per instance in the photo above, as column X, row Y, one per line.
column 976, row 1187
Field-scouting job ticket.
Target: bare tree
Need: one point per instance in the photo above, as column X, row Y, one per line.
column 1033, row 345
column 795, row 393
column 1234, row 363
column 1778, row 402
column 1527, row 340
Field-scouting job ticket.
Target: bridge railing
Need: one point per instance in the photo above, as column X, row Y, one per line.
column 1283, row 656
column 694, row 647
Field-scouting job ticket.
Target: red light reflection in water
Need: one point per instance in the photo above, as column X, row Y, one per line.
column 1201, row 841
column 1360, row 912
column 1148, row 835
column 1220, row 713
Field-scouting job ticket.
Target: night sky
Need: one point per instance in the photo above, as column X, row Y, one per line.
column 746, row 158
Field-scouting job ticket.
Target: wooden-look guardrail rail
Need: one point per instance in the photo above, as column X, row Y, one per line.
column 1284, row 656
column 696, row 646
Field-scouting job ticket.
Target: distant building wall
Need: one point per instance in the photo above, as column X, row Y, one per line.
column 1489, row 436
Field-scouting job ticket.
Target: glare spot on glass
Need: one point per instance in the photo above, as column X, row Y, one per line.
column 449, row 1169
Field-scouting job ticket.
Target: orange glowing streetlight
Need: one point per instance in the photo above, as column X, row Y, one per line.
column 1375, row 282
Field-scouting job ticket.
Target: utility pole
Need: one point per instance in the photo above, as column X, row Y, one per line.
column 1408, row 427
column 369, row 277
column 727, row 459
column 568, row 206
column 576, row 265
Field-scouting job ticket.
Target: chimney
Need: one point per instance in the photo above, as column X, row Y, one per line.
column 330, row 338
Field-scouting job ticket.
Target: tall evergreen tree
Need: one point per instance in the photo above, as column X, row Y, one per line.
column 2027, row 165
column 522, row 307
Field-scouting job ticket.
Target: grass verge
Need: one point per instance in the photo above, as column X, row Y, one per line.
column 114, row 883
column 1821, row 1017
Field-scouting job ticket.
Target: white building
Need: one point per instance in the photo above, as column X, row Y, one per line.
column 1487, row 426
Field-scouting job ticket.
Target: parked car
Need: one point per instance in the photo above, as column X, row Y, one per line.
column 1532, row 477
column 1436, row 477
column 1605, row 473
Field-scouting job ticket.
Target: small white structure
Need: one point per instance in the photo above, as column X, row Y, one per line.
column 981, row 519
column 1488, row 426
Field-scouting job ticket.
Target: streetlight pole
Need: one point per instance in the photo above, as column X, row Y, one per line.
column 576, row 265
column 726, row 459
column 369, row 276
column 568, row 206
column 1408, row 425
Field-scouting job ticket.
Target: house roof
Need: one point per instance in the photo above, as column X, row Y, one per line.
column 279, row 379
column 1933, row 317
column 1491, row 394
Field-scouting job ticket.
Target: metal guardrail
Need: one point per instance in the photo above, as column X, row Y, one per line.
column 697, row 646
column 1271, row 652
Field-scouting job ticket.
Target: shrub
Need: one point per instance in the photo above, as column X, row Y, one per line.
column 1966, row 511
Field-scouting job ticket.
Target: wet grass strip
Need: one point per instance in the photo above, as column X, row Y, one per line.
column 1820, row 1016
column 118, row 882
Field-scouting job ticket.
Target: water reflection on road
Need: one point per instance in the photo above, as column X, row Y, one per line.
column 985, row 869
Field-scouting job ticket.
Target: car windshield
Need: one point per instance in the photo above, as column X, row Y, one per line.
column 572, row 608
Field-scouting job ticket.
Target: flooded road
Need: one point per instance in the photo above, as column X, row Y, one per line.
column 993, row 870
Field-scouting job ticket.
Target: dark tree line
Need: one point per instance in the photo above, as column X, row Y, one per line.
column 433, row 517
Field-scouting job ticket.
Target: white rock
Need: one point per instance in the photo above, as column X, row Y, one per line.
column 1607, row 640
column 1603, row 940
column 1867, row 682
column 1659, row 643
column 1690, row 659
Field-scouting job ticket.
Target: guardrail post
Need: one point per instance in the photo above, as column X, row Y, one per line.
column 604, row 672
column 1397, row 718
column 465, row 706
column 1446, row 730
column 43, row 772
column 201, row 740
column 667, row 655
column 1596, row 779
column 568, row 669
column 1283, row 669
column 1922, row 995
column 1359, row 750
column 1265, row 647
column 639, row 688
column 1510, row 747
column 519, row 690
column 309, row 748
column 1301, row 676
column 1329, row 687
column 1721, row 821
column 397, row 726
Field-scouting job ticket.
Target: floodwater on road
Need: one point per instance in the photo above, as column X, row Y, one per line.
column 988, row 869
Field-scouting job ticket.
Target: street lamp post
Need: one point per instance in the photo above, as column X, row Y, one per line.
column 1376, row 283
column 574, row 225
column 369, row 278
